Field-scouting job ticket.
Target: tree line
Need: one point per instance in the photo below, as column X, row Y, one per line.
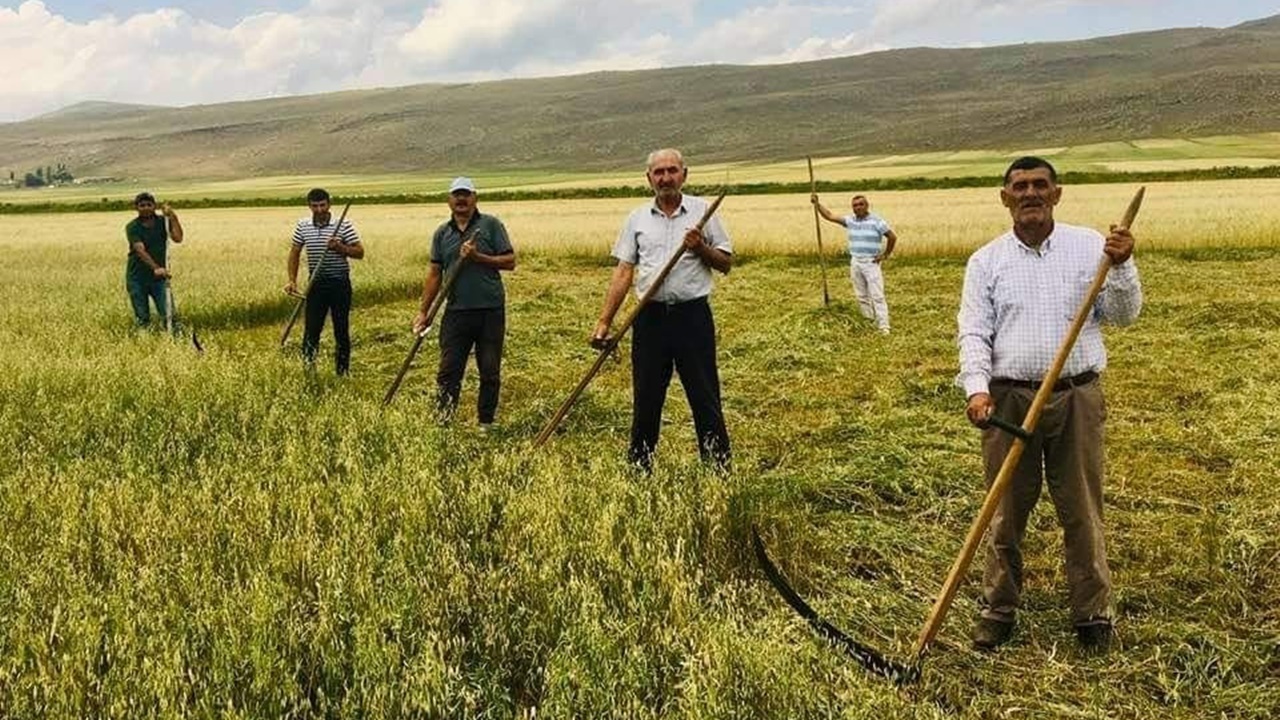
column 42, row 176
column 761, row 188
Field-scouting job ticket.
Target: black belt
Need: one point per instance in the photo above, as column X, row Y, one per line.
column 677, row 304
column 1065, row 383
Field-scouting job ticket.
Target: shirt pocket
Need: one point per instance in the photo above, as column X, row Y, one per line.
column 1075, row 287
column 1007, row 295
column 650, row 250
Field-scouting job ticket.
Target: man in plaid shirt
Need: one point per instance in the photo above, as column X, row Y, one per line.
column 1021, row 293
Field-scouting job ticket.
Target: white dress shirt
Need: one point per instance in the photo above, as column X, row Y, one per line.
column 1018, row 304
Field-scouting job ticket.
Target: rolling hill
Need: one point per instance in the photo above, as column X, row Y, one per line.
column 1172, row 83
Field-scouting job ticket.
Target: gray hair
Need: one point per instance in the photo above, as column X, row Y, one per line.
column 653, row 156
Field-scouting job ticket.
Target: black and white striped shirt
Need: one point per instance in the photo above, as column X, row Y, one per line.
column 316, row 238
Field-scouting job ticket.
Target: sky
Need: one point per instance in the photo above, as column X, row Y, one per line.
column 183, row 52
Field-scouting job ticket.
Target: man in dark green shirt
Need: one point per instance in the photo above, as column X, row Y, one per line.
column 146, row 275
column 476, row 310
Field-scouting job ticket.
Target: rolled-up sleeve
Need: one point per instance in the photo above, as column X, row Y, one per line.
column 976, row 323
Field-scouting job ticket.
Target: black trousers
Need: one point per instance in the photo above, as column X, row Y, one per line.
column 329, row 298
column 683, row 337
column 460, row 330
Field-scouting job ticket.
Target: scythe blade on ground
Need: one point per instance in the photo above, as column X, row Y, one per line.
column 875, row 662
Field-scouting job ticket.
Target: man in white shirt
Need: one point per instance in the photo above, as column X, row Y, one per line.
column 675, row 329
column 1021, row 293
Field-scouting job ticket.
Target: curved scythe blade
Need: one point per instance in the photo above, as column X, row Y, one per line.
column 868, row 658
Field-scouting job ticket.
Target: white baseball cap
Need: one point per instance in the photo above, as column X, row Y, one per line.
column 461, row 183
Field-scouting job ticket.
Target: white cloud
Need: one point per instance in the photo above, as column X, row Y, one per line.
column 489, row 35
column 781, row 33
column 895, row 16
column 170, row 56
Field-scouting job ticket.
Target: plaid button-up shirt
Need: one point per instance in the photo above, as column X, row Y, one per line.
column 1018, row 303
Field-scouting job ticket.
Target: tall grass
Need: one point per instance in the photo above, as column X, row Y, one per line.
column 224, row 535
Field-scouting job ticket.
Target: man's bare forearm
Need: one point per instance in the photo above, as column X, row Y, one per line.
column 430, row 287
column 619, row 284
column 505, row 261
column 175, row 227
column 141, row 251
column 715, row 259
column 295, row 255
column 828, row 216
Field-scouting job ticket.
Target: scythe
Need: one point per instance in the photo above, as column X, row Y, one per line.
column 876, row 662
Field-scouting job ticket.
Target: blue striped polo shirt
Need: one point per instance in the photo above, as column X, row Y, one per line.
column 865, row 234
column 315, row 238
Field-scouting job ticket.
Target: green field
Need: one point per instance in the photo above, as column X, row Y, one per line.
column 1155, row 155
column 225, row 535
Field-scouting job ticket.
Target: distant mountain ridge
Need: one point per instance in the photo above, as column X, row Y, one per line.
column 1170, row 83
column 97, row 110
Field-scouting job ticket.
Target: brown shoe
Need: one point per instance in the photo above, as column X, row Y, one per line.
column 989, row 633
column 1095, row 636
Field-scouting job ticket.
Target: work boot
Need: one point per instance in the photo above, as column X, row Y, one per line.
column 1095, row 635
column 989, row 633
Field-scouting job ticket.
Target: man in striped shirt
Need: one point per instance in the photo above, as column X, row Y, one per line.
column 329, row 293
column 865, row 255
column 1021, row 293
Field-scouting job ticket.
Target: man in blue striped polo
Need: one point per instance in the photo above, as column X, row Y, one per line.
column 1021, row 293
column 328, row 248
column 865, row 255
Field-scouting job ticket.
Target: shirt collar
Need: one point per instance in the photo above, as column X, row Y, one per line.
column 1045, row 247
column 475, row 218
column 655, row 210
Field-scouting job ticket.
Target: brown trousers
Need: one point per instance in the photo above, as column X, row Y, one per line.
column 1065, row 451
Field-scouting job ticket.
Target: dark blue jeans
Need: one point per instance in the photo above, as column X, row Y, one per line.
column 484, row 329
column 142, row 292
column 329, row 298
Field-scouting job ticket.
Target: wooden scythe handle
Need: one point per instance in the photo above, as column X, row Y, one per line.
column 817, row 229
column 996, row 492
column 432, row 310
column 311, row 279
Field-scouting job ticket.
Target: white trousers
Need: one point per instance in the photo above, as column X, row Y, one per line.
column 868, row 285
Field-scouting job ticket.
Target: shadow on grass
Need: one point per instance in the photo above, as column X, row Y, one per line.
column 275, row 311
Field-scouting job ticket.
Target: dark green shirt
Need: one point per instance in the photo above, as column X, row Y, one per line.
column 478, row 286
column 154, row 239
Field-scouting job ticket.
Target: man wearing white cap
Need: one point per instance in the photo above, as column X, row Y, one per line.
column 476, row 310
